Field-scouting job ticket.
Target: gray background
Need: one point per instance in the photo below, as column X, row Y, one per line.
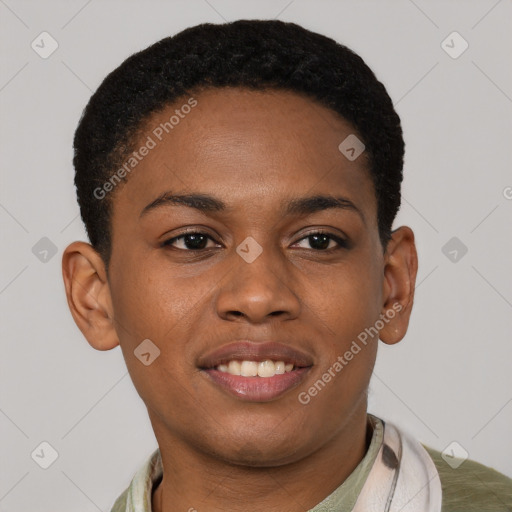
column 449, row 380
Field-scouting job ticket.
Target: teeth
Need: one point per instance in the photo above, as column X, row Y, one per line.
column 267, row 368
column 233, row 367
column 280, row 367
column 249, row 369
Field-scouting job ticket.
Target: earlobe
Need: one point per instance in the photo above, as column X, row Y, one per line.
column 88, row 295
column 400, row 269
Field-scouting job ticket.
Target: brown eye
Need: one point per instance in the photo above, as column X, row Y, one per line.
column 321, row 241
column 194, row 241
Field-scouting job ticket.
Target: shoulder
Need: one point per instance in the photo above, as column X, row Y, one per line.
column 142, row 484
column 120, row 504
column 471, row 486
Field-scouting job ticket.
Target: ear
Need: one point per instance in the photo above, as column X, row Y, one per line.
column 400, row 269
column 88, row 295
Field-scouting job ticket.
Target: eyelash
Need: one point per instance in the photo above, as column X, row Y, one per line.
column 342, row 244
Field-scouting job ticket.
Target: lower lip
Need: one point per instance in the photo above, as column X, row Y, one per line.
column 257, row 389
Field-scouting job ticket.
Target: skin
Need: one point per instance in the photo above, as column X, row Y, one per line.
column 252, row 150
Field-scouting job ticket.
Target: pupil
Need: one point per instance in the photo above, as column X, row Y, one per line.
column 323, row 245
column 196, row 241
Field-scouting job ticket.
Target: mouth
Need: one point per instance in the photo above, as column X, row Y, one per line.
column 256, row 372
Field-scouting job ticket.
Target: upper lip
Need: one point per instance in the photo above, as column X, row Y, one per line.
column 254, row 351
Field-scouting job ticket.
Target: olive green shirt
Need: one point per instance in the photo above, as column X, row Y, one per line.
column 472, row 487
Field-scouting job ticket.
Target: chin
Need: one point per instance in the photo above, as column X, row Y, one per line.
column 266, row 449
column 253, row 456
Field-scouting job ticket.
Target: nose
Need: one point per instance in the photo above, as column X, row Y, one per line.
column 258, row 291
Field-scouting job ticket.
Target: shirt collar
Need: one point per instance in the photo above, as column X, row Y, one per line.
column 137, row 498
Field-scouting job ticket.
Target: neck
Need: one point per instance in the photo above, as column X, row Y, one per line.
column 195, row 480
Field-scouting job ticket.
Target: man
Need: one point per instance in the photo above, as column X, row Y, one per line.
column 238, row 183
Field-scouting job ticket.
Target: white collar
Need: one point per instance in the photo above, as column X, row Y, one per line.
column 403, row 478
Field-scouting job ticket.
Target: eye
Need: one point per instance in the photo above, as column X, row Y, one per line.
column 321, row 240
column 193, row 241
column 198, row 241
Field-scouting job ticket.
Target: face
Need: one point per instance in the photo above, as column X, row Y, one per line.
column 252, row 272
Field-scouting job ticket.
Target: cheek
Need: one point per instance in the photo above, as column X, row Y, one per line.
column 338, row 389
column 348, row 301
column 152, row 304
column 151, row 301
column 345, row 312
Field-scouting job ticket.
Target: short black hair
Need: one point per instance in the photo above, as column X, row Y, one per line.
column 254, row 54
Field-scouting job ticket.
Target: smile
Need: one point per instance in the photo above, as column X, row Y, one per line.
column 255, row 371
column 267, row 368
column 257, row 389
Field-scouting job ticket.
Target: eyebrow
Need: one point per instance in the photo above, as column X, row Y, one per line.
column 297, row 206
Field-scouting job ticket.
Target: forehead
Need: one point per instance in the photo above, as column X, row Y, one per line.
column 246, row 145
